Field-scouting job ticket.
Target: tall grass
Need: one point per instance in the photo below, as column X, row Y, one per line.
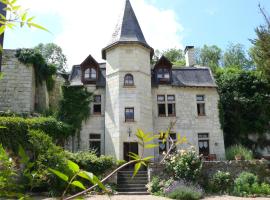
column 238, row 150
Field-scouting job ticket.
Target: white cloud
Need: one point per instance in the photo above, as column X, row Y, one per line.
column 87, row 25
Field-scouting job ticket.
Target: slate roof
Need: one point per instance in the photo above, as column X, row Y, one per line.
column 75, row 76
column 193, row 77
column 127, row 30
column 181, row 77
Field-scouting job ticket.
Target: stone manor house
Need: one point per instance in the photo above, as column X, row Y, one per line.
column 130, row 93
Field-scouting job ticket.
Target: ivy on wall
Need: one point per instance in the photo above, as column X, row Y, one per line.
column 43, row 70
column 74, row 106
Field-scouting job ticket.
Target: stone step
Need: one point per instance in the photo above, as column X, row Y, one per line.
column 121, row 182
column 141, row 189
column 130, row 177
column 133, row 193
column 120, row 186
column 129, row 180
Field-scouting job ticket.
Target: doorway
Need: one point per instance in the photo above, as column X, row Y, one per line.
column 130, row 147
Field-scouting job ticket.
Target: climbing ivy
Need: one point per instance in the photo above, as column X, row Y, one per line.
column 43, row 70
column 74, row 106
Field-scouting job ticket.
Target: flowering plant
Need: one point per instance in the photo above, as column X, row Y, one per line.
column 184, row 164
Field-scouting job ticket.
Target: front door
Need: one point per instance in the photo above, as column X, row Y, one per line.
column 130, row 147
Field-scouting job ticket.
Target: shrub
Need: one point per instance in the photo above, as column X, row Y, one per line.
column 244, row 182
column 238, row 150
column 89, row 161
column 17, row 127
column 221, row 182
column 154, row 186
column 186, row 164
column 185, row 193
column 46, row 154
column 7, row 173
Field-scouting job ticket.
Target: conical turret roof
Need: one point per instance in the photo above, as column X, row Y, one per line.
column 127, row 30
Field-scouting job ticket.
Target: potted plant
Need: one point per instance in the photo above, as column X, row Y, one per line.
column 239, row 157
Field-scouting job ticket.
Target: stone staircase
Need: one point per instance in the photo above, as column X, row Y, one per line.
column 128, row 185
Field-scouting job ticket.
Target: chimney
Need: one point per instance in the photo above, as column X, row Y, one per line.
column 190, row 56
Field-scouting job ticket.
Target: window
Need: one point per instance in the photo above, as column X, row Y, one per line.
column 95, row 143
column 90, row 74
column 164, row 144
column 163, row 75
column 97, row 105
column 173, row 137
column 166, row 108
column 128, row 80
column 203, row 139
column 171, row 105
column 129, row 114
column 200, row 105
column 161, row 105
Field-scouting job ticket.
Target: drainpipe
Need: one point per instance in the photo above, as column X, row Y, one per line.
column 3, row 12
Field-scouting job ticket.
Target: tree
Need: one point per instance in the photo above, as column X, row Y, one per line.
column 209, row 56
column 175, row 56
column 53, row 54
column 244, row 105
column 260, row 52
column 235, row 56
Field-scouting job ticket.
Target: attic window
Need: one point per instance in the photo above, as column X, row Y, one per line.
column 163, row 75
column 90, row 74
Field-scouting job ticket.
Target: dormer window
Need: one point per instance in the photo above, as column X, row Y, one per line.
column 128, row 80
column 90, row 74
column 163, row 75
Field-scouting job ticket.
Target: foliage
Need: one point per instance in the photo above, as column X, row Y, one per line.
column 221, row 182
column 17, row 16
column 72, row 179
column 238, row 150
column 74, row 107
column 247, row 184
column 43, row 70
column 235, row 56
column 46, row 154
column 260, row 52
column 175, row 56
column 53, row 55
column 244, row 104
column 184, row 165
column 7, row 173
column 209, row 56
column 244, row 182
column 183, row 191
column 157, row 186
column 17, row 127
column 89, row 161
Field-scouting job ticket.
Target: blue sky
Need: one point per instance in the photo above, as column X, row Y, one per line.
column 84, row 27
column 217, row 21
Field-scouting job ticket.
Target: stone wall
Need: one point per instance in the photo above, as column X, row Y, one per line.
column 17, row 87
column 56, row 94
column 258, row 167
column 188, row 123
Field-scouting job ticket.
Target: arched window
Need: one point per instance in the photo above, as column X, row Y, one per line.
column 90, row 74
column 128, row 80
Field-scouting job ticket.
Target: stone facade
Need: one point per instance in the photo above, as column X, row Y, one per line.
column 17, row 87
column 129, row 54
column 188, row 123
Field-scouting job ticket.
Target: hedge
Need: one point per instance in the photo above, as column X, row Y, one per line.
column 16, row 130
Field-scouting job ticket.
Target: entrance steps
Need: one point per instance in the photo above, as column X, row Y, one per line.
column 128, row 185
